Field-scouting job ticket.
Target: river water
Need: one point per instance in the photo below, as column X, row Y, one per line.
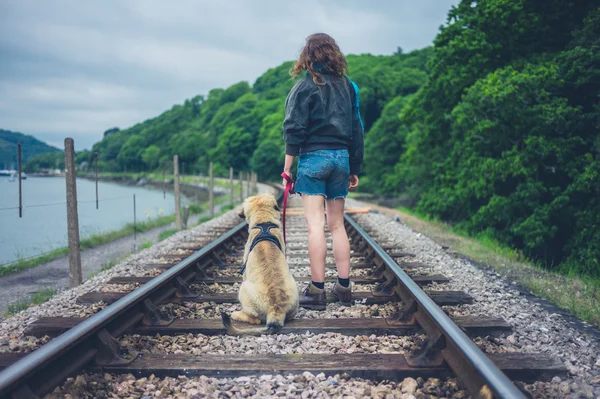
column 43, row 226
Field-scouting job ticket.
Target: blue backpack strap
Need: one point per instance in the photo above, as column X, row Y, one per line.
column 356, row 101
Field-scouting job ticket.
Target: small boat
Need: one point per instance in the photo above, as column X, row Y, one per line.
column 13, row 177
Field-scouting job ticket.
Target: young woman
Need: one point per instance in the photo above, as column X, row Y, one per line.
column 322, row 125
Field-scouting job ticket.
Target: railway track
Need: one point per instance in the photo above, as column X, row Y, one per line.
column 387, row 282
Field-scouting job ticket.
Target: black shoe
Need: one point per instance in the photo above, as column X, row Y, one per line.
column 313, row 298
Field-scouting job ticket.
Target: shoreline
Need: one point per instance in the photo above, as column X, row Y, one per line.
column 196, row 196
column 18, row 287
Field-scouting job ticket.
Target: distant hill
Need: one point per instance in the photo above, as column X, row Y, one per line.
column 241, row 126
column 30, row 147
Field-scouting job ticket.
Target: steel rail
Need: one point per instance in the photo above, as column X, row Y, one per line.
column 498, row 382
column 18, row 373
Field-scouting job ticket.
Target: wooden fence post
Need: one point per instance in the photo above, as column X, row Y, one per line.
column 178, row 222
column 241, row 187
column 211, row 191
column 231, row 183
column 19, row 174
column 134, row 220
column 186, row 215
column 248, row 184
column 75, row 275
column 96, row 158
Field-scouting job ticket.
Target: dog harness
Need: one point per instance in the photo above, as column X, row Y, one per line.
column 264, row 235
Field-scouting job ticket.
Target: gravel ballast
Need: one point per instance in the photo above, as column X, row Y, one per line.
column 306, row 385
column 536, row 329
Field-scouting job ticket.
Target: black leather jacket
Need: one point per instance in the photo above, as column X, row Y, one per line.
column 319, row 117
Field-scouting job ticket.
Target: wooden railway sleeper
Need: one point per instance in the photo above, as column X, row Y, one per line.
column 153, row 316
column 184, row 290
column 110, row 352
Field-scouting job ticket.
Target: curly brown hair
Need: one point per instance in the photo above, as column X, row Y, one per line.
column 320, row 52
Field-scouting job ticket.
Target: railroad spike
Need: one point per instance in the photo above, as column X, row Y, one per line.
column 110, row 352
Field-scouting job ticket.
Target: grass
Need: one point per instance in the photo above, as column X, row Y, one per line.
column 579, row 295
column 204, row 219
column 36, row 299
column 163, row 235
column 145, row 245
column 158, row 176
column 106, row 266
column 34, row 261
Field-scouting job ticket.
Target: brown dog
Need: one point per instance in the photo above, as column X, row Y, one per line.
column 268, row 293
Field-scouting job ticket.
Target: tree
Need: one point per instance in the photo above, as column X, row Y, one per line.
column 268, row 160
column 150, row 156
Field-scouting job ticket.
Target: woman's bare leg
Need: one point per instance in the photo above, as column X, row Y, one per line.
column 317, row 246
column 341, row 246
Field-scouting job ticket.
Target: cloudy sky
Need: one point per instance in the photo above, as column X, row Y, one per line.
column 72, row 68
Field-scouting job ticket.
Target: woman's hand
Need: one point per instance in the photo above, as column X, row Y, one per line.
column 285, row 182
column 353, row 182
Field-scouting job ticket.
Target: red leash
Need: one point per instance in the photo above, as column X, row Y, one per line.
column 289, row 189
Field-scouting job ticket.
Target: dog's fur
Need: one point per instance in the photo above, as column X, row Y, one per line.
column 268, row 293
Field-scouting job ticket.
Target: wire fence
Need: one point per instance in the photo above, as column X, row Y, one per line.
column 26, row 258
column 64, row 203
column 238, row 184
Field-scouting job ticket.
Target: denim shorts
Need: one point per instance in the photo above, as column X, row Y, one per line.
column 323, row 172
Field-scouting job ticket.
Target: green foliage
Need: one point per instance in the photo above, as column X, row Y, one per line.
column 163, row 235
column 241, row 126
column 150, row 156
column 383, row 146
column 268, row 160
column 382, row 78
column 48, row 160
column 30, row 148
column 503, row 137
column 36, row 299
